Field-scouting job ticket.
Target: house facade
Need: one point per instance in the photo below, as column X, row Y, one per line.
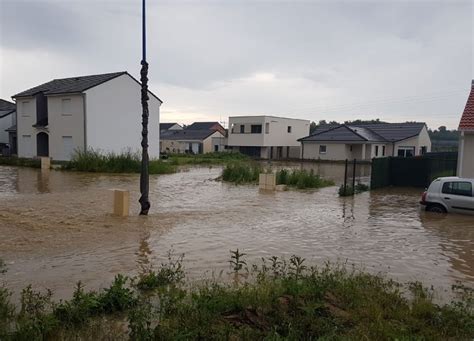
column 466, row 142
column 367, row 141
column 266, row 137
column 100, row 112
column 7, row 125
column 191, row 141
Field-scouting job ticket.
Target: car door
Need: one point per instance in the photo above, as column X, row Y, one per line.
column 458, row 196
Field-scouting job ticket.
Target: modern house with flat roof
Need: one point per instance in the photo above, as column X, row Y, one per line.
column 102, row 112
column 366, row 141
column 466, row 142
column 266, row 137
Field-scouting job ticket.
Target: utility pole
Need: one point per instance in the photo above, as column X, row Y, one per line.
column 144, row 176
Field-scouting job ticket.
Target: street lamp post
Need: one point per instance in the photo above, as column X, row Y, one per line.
column 144, row 176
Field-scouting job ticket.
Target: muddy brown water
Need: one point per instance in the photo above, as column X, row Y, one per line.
column 56, row 229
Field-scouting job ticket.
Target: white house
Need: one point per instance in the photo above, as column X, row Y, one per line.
column 191, row 141
column 102, row 112
column 266, row 137
column 7, row 123
column 466, row 143
column 366, row 141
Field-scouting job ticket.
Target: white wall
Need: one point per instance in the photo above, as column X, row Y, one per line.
column 465, row 157
column 277, row 135
column 423, row 139
column 114, row 116
column 334, row 151
column 26, row 114
column 65, row 121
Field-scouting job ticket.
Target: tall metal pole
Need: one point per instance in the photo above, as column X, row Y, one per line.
column 144, row 176
column 354, row 177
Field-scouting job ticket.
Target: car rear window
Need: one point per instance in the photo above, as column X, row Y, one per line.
column 458, row 188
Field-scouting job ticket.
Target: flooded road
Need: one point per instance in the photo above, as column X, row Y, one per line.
column 56, row 229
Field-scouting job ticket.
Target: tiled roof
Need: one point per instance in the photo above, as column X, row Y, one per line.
column 378, row 132
column 6, row 108
column 396, row 131
column 75, row 85
column 11, row 129
column 70, row 85
column 467, row 119
column 186, row 135
column 202, row 125
column 166, row 126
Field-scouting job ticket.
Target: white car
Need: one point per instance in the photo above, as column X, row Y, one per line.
column 449, row 194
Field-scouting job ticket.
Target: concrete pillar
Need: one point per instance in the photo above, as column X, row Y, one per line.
column 45, row 163
column 267, row 182
column 121, row 203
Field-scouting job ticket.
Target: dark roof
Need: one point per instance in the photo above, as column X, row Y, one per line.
column 70, row 85
column 203, row 125
column 6, row 108
column 378, row 132
column 186, row 134
column 166, row 126
column 11, row 129
column 396, row 131
column 467, row 119
column 74, row 84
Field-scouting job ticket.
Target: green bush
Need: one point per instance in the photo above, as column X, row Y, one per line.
column 301, row 179
column 242, row 173
column 127, row 162
column 169, row 273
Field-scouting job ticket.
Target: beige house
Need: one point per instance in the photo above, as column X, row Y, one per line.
column 366, row 141
column 466, row 143
column 100, row 112
column 266, row 137
column 191, row 141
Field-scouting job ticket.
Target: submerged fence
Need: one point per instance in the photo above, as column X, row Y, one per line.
column 414, row 171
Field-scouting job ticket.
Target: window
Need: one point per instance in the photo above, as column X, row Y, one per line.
column 383, row 150
column 232, row 128
column 423, row 150
column 242, row 129
column 289, row 129
column 406, row 151
column 267, row 128
column 25, row 109
column 458, row 188
column 256, row 129
column 322, row 149
column 350, row 148
column 376, row 150
column 66, row 107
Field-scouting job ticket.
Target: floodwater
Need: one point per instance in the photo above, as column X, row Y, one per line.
column 56, row 229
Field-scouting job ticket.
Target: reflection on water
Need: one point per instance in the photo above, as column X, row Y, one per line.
column 56, row 228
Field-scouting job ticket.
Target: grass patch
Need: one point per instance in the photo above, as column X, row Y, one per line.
column 128, row 162
column 349, row 191
column 275, row 299
column 21, row 162
column 301, row 179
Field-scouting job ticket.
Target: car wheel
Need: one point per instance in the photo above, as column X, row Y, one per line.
column 436, row 209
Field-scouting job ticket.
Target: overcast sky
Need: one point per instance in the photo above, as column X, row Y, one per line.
column 332, row 60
